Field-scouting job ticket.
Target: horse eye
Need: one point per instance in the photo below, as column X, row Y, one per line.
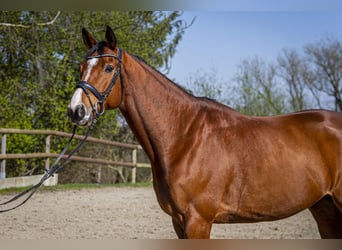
column 109, row 68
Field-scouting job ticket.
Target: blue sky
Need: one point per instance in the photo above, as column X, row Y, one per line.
column 220, row 40
column 259, row 5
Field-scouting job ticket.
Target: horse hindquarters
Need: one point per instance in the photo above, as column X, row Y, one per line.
column 328, row 218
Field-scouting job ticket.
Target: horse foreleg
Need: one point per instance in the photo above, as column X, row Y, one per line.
column 179, row 228
column 193, row 228
column 196, row 227
column 328, row 218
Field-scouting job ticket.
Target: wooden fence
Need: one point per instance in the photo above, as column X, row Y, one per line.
column 133, row 164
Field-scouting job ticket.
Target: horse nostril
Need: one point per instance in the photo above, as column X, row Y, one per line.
column 80, row 112
column 70, row 112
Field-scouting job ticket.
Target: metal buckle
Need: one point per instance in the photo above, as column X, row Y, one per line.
column 101, row 104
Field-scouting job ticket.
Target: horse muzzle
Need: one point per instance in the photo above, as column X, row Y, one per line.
column 79, row 114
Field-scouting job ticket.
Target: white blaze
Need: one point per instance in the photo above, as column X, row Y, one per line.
column 91, row 63
column 77, row 97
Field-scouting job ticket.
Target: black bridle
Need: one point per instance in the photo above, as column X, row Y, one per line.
column 101, row 98
column 98, row 107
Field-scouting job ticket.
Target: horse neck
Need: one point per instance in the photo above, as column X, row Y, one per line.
column 155, row 108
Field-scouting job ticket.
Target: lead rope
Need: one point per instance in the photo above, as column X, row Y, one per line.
column 50, row 173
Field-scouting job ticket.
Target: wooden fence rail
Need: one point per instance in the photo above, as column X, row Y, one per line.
column 47, row 154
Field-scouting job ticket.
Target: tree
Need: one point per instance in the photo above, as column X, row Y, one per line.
column 326, row 66
column 40, row 53
column 257, row 90
column 295, row 81
column 292, row 69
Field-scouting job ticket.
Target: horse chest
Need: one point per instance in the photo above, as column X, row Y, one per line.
column 164, row 199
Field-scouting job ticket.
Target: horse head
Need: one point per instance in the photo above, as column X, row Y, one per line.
column 98, row 88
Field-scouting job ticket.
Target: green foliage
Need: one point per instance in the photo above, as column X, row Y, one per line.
column 40, row 58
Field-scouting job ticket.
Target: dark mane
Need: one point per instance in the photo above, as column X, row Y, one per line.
column 99, row 48
column 187, row 91
column 138, row 58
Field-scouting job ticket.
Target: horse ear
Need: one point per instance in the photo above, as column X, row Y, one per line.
column 88, row 39
column 110, row 38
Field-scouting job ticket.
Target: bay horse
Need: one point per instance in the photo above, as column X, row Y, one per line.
column 210, row 163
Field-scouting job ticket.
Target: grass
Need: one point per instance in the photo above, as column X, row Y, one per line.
column 76, row 186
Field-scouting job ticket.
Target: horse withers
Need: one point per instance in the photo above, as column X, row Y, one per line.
column 210, row 163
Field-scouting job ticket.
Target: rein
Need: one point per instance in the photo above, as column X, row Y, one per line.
column 48, row 173
column 101, row 98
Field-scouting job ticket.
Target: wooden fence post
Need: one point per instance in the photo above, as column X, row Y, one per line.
column 47, row 150
column 134, row 161
column 3, row 162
